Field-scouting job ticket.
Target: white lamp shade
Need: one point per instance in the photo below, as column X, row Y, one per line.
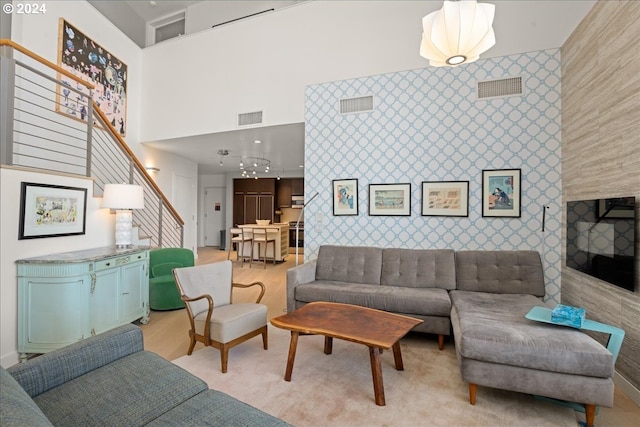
column 458, row 33
column 123, row 196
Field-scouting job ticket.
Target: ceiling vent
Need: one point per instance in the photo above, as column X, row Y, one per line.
column 247, row 119
column 500, row 88
column 356, row 105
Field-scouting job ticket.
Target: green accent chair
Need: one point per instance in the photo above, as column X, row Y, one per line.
column 163, row 292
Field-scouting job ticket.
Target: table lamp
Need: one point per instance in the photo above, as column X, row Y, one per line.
column 123, row 198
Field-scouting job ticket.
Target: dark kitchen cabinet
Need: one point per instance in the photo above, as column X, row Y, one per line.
column 253, row 199
column 257, row 207
column 286, row 188
column 297, row 186
column 284, row 193
column 238, row 208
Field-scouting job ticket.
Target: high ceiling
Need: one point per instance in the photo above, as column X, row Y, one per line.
column 286, row 142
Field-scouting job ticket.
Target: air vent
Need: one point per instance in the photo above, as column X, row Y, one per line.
column 246, row 119
column 500, row 88
column 356, row 105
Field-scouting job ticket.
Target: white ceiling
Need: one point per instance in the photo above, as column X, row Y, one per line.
column 149, row 11
column 284, row 144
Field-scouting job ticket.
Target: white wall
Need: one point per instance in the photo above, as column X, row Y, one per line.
column 198, row 83
column 264, row 63
column 99, row 232
column 202, row 15
column 171, row 165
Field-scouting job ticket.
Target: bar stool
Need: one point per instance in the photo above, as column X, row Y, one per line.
column 240, row 236
column 266, row 236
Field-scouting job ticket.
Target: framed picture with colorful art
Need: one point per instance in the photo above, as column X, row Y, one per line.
column 501, row 193
column 51, row 211
column 345, row 197
column 85, row 58
column 445, row 198
column 390, row 199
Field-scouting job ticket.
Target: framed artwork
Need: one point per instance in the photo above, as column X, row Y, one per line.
column 345, row 197
column 501, row 193
column 621, row 207
column 390, row 199
column 88, row 60
column 445, row 198
column 51, row 211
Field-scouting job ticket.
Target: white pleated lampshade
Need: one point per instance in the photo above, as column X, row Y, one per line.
column 458, row 33
column 123, row 196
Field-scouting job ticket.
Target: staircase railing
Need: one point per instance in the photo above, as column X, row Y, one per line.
column 49, row 121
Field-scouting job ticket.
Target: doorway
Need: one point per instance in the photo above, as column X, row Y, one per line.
column 213, row 215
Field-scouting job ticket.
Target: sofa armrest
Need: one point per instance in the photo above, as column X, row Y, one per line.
column 162, row 280
column 304, row 273
column 57, row 367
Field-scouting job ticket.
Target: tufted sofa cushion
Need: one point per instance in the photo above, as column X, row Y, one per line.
column 502, row 272
column 352, row 264
column 418, row 268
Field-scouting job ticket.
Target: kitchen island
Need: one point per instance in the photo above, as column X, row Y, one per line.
column 281, row 233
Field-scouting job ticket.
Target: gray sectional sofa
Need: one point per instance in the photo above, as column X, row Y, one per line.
column 109, row 380
column 403, row 281
column 483, row 297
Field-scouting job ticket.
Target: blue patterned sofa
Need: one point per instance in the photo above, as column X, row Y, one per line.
column 109, row 380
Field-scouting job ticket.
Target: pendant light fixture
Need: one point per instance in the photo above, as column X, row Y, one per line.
column 458, row 33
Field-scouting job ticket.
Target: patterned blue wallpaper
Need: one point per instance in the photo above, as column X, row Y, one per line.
column 428, row 126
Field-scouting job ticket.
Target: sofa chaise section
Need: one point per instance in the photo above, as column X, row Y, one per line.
column 498, row 347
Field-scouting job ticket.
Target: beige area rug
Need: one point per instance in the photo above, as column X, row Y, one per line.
column 337, row 389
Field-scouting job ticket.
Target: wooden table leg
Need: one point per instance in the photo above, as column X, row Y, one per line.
column 376, row 372
column 397, row 356
column 328, row 345
column 292, row 355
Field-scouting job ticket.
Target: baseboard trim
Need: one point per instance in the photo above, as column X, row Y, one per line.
column 627, row 388
column 9, row 359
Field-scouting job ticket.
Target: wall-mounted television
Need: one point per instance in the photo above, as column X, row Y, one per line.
column 601, row 239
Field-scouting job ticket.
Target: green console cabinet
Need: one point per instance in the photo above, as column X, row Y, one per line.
column 66, row 297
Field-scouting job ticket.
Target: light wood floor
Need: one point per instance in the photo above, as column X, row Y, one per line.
column 167, row 331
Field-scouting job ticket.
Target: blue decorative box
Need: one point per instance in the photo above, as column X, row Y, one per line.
column 568, row 316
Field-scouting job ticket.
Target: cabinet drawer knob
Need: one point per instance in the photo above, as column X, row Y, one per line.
column 108, row 264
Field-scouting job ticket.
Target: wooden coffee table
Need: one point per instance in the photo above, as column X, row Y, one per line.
column 376, row 329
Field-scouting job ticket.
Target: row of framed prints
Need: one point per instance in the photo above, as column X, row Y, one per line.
column 501, row 196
